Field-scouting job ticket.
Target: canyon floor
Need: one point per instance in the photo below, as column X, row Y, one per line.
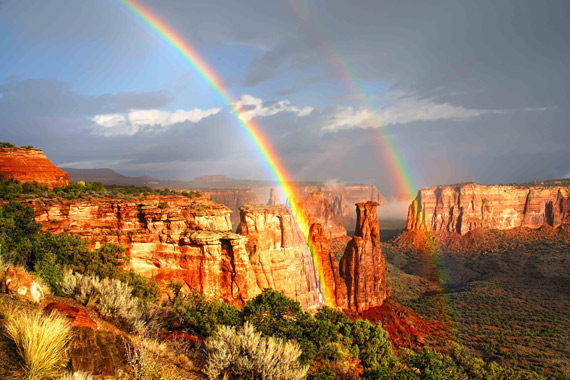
column 506, row 295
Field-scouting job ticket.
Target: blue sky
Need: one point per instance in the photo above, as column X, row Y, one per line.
column 471, row 91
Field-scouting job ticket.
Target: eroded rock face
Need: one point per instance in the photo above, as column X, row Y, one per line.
column 362, row 266
column 343, row 197
column 170, row 238
column 28, row 165
column 333, row 286
column 77, row 317
column 234, row 199
column 317, row 209
column 279, row 256
column 465, row 207
column 18, row 283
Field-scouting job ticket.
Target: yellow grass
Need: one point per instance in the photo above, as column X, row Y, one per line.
column 41, row 341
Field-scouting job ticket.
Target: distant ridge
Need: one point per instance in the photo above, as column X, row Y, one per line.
column 108, row 177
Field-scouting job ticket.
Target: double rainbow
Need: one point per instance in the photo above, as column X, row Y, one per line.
column 276, row 168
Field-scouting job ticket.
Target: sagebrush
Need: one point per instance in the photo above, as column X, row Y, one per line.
column 246, row 354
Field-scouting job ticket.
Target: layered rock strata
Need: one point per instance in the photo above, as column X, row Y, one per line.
column 362, row 266
column 317, row 209
column 333, row 286
column 279, row 256
column 465, row 207
column 170, row 238
column 233, row 199
column 28, row 165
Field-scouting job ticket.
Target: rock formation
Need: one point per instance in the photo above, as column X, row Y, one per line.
column 317, row 209
column 28, row 165
column 273, row 198
column 362, row 266
column 18, row 283
column 332, row 285
column 465, row 207
column 234, row 199
column 343, row 197
column 279, row 255
column 172, row 238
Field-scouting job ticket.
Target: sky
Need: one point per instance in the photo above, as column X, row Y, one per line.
column 462, row 90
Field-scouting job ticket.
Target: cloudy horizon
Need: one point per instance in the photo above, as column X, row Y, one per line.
column 464, row 91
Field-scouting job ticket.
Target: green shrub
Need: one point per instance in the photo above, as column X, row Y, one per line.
column 202, row 315
column 246, row 354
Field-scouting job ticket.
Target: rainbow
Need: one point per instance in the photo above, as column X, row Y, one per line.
column 387, row 147
column 286, row 185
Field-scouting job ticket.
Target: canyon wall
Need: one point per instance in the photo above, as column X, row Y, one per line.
column 28, row 165
column 341, row 198
column 233, row 199
column 174, row 238
column 362, row 267
column 317, row 209
column 279, row 256
column 465, row 207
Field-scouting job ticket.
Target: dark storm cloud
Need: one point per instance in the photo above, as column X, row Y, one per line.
column 482, row 54
column 49, row 114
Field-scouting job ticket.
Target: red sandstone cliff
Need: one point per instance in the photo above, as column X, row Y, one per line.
column 362, row 266
column 333, row 285
column 28, row 165
column 168, row 237
column 279, row 255
column 317, row 209
column 465, row 207
column 342, row 199
column 234, row 199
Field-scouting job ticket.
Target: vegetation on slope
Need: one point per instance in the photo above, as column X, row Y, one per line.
column 507, row 293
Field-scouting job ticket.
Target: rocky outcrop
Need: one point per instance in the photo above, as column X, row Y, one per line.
column 28, row 165
column 76, row 316
column 465, row 207
column 233, row 199
column 18, row 283
column 343, row 197
column 362, row 266
column 332, row 285
column 273, row 198
column 317, row 209
column 170, row 238
column 279, row 256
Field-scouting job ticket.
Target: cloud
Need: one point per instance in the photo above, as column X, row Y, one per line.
column 147, row 121
column 400, row 110
column 251, row 107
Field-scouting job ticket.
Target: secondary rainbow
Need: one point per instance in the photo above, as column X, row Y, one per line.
column 386, row 146
column 189, row 54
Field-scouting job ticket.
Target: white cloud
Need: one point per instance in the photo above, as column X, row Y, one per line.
column 399, row 110
column 251, row 107
column 147, row 121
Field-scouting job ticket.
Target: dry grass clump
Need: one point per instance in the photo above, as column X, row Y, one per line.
column 245, row 354
column 76, row 376
column 113, row 299
column 41, row 341
column 143, row 359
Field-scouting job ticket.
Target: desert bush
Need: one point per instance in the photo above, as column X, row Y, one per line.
column 41, row 341
column 202, row 315
column 111, row 298
column 246, row 354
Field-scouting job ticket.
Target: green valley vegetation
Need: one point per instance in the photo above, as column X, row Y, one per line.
column 507, row 294
column 11, row 188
